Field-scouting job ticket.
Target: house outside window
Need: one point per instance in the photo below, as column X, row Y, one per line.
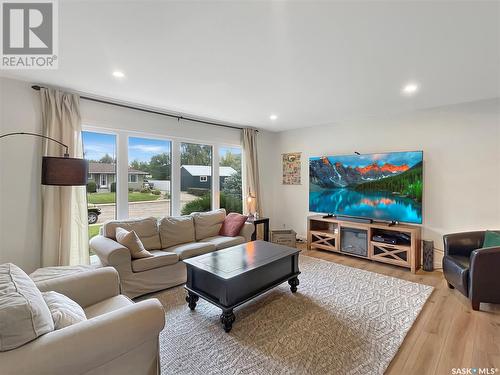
column 132, row 178
column 203, row 178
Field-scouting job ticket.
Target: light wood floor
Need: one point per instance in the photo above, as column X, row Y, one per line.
column 447, row 334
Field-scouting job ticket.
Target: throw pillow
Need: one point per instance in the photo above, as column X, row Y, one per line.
column 132, row 242
column 231, row 227
column 24, row 315
column 491, row 239
column 64, row 310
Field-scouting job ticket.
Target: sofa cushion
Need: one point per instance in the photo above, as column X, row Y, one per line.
column 189, row 250
column 146, row 229
column 132, row 242
column 64, row 310
column 157, row 259
column 108, row 305
column 24, row 315
column 222, row 242
column 208, row 224
column 176, row 230
column 232, row 225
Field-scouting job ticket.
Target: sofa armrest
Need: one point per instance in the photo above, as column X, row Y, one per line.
column 85, row 288
column 84, row 346
column 484, row 283
column 247, row 231
column 462, row 243
column 110, row 252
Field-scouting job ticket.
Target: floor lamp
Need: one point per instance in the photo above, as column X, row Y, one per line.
column 60, row 171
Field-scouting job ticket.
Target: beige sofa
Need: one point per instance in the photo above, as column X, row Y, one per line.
column 118, row 337
column 170, row 240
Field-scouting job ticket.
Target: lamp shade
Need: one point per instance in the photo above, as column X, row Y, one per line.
column 64, row 171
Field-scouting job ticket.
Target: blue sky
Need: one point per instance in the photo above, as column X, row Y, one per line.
column 143, row 149
column 397, row 158
column 96, row 145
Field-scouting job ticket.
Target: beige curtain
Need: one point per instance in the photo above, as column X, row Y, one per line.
column 64, row 208
column 252, row 167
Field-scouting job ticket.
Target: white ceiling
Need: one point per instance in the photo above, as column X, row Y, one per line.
column 308, row 62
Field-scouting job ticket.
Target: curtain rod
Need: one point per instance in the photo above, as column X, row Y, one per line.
column 178, row 117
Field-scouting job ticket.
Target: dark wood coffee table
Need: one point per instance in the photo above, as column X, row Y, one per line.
column 230, row 277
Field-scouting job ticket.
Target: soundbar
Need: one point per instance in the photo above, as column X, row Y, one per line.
column 354, row 219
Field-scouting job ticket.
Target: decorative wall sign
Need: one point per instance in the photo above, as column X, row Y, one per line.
column 291, row 168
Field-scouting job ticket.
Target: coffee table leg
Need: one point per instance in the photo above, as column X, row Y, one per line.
column 294, row 283
column 191, row 299
column 227, row 319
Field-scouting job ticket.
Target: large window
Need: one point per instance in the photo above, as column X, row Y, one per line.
column 136, row 175
column 230, row 179
column 149, row 177
column 196, row 178
column 100, row 150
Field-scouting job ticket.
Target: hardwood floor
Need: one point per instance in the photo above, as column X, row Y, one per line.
column 447, row 334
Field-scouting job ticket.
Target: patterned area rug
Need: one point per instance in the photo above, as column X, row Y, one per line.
column 342, row 320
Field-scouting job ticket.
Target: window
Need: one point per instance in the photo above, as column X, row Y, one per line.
column 230, row 195
column 150, row 167
column 100, row 150
column 196, row 163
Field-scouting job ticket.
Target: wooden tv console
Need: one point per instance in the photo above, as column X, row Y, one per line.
column 325, row 234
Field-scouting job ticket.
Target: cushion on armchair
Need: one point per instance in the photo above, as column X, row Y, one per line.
column 24, row 315
column 491, row 239
column 64, row 310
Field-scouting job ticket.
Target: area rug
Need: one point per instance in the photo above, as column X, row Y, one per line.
column 342, row 320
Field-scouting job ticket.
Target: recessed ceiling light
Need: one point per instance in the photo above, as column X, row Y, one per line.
column 410, row 89
column 118, row 74
column 273, row 117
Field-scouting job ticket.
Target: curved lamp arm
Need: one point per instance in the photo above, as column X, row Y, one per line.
column 66, row 153
column 60, row 171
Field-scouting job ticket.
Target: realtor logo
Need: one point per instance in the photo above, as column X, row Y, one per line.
column 29, row 34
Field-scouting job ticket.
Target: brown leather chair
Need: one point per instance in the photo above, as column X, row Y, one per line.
column 474, row 271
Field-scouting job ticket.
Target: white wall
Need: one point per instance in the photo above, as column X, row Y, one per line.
column 461, row 147
column 20, row 164
column 20, row 160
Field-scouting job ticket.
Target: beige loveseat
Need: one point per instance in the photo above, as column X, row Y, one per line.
column 170, row 240
column 118, row 337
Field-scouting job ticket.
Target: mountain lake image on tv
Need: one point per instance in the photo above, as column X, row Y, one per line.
column 384, row 186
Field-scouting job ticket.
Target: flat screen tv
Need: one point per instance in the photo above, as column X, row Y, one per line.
column 386, row 187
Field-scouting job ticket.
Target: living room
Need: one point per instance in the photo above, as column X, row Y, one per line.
column 201, row 220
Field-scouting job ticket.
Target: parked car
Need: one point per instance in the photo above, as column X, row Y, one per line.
column 148, row 185
column 93, row 214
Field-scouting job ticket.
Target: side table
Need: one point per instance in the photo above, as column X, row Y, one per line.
column 265, row 222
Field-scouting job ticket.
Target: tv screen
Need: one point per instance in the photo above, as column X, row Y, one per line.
column 384, row 186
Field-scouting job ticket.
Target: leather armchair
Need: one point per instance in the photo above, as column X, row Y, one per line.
column 471, row 269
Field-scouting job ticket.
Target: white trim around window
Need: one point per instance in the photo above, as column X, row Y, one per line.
column 122, row 137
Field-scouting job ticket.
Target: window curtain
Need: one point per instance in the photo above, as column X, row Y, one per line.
column 252, row 168
column 64, row 208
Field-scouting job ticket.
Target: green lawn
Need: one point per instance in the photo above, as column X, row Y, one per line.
column 101, row 198
column 94, row 230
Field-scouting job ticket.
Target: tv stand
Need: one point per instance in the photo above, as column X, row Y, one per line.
column 356, row 239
